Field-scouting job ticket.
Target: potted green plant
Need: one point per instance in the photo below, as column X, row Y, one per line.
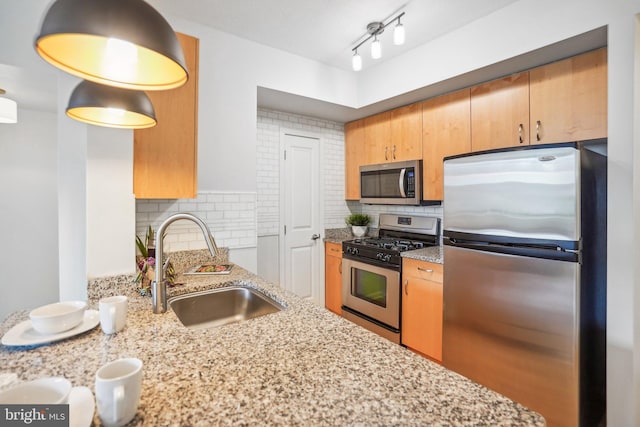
column 359, row 223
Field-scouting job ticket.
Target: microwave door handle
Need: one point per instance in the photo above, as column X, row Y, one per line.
column 403, row 171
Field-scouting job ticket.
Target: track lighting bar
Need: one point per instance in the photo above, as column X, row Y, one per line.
column 374, row 29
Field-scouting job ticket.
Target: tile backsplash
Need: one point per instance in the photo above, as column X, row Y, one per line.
column 231, row 217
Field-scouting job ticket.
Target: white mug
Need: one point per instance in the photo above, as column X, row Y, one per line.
column 113, row 313
column 118, row 388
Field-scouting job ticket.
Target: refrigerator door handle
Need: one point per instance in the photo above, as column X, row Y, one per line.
column 548, row 252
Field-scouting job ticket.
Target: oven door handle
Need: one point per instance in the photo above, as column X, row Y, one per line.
column 401, row 182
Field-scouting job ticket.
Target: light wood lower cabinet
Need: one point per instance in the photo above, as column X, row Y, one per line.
column 333, row 277
column 422, row 307
column 165, row 157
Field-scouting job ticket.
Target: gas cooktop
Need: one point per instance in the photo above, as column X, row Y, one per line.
column 391, row 244
column 397, row 233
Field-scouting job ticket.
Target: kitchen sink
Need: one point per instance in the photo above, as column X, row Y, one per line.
column 216, row 307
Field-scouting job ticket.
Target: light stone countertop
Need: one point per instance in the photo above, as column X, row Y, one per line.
column 430, row 254
column 302, row 366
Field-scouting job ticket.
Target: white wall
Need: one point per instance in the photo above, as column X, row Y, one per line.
column 28, row 212
column 110, row 202
column 231, row 69
column 72, row 202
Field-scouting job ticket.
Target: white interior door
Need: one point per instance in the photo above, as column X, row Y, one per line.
column 302, row 216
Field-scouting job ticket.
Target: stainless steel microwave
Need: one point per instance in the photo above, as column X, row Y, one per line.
column 397, row 183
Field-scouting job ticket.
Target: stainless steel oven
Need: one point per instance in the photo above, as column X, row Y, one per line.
column 372, row 292
column 371, row 271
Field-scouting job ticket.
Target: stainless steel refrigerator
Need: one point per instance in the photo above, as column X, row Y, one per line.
column 525, row 276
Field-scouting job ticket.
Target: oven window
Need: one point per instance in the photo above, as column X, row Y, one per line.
column 370, row 287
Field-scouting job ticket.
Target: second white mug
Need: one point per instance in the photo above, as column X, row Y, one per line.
column 118, row 387
column 113, row 313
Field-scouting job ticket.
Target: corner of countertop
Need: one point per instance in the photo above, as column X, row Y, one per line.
column 339, row 235
column 430, row 254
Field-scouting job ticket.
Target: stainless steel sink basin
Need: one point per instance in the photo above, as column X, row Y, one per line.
column 216, row 307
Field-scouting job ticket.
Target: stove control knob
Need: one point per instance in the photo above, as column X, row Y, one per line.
column 386, row 257
column 353, row 251
column 380, row 256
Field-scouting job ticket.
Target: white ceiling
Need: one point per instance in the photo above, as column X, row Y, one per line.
column 327, row 30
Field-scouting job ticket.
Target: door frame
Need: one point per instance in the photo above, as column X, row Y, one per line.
column 319, row 261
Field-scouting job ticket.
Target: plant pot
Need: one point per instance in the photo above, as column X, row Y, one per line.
column 359, row 230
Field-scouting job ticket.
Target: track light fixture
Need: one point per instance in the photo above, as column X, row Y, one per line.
column 374, row 29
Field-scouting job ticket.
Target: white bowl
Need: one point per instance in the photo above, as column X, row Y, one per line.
column 57, row 317
column 43, row 391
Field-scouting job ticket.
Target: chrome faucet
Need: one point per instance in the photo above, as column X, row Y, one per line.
column 158, row 286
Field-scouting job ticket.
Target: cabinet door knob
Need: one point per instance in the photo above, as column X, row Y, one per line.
column 538, row 126
column 520, row 131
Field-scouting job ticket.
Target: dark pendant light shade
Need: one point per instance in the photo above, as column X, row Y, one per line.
column 111, row 106
column 122, row 43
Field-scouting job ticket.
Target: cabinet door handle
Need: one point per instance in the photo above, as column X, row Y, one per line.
column 426, row 270
column 520, row 131
column 386, row 157
column 393, row 152
column 406, row 287
column 538, row 126
column 340, row 267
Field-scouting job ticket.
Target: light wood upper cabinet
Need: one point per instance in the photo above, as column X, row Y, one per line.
column 446, row 131
column 560, row 102
column 333, row 277
column 353, row 147
column 500, row 113
column 422, row 307
column 406, row 133
column 569, row 99
column 377, row 138
column 165, row 156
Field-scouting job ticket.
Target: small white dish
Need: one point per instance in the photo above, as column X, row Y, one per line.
column 23, row 333
column 57, row 317
column 51, row 390
column 82, row 406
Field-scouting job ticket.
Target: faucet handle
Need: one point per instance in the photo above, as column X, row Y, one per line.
column 165, row 265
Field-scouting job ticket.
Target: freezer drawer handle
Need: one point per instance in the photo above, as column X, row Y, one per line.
column 546, row 158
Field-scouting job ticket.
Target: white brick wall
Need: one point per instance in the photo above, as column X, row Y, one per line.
column 331, row 134
column 231, row 217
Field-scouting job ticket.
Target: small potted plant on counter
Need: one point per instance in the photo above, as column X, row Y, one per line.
column 359, row 223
